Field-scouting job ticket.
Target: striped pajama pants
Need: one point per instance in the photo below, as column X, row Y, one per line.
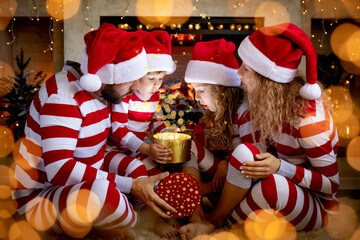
column 298, row 205
column 202, row 159
column 75, row 209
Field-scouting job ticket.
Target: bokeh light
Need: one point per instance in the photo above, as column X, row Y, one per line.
column 351, row 67
column 83, row 206
column 5, row 226
column 7, row 11
column 62, row 10
column 22, row 231
column 353, row 153
column 265, row 224
column 273, row 12
column 7, row 208
column 6, row 176
column 239, row 231
column 203, row 237
column 345, row 41
column 341, row 103
column 5, row 192
column 356, row 235
column 6, row 141
column 342, row 223
column 71, row 228
column 16, row 149
column 43, row 215
column 225, row 235
column 6, row 83
column 157, row 12
column 348, row 130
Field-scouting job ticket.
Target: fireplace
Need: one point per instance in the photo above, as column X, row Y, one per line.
column 178, row 102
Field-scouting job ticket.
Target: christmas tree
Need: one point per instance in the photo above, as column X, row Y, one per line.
column 17, row 102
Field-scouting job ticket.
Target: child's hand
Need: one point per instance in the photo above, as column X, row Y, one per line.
column 156, row 152
column 220, row 175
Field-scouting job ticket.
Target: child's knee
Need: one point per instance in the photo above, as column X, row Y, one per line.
column 243, row 153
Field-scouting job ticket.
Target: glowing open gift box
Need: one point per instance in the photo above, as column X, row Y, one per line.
column 179, row 143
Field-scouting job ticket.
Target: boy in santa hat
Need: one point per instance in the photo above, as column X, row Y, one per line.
column 140, row 113
column 300, row 179
column 61, row 183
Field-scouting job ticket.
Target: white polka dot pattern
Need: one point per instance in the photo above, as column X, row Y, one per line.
column 182, row 192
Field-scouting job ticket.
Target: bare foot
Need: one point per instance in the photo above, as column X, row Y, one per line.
column 194, row 229
column 163, row 229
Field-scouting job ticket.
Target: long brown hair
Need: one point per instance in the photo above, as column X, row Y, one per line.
column 273, row 104
column 228, row 100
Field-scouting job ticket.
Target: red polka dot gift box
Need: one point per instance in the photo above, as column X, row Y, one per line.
column 180, row 191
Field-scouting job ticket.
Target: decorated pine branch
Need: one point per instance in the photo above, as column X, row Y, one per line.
column 17, row 102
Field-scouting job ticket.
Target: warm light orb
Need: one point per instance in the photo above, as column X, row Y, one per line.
column 265, row 224
column 158, row 12
column 274, row 12
column 74, row 229
column 356, row 235
column 6, row 141
column 22, row 230
column 348, row 130
column 42, row 222
column 63, row 11
column 225, row 235
column 7, row 208
column 5, row 227
column 203, row 237
column 7, row 11
column 342, row 223
column 5, row 192
column 351, row 67
column 341, row 103
column 16, row 149
column 344, row 42
column 83, row 206
column 353, row 153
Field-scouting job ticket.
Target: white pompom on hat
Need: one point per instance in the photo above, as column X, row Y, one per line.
column 112, row 56
column 213, row 62
column 275, row 52
column 157, row 45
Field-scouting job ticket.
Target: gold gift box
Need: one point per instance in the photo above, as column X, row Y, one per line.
column 179, row 143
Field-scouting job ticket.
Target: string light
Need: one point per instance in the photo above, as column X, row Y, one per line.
column 87, row 15
column 12, row 32
column 51, row 29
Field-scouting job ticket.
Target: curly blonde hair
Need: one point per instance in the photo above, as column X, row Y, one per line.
column 273, row 104
column 228, row 100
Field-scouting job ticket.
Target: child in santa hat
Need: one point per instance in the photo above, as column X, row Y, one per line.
column 300, row 180
column 140, row 113
column 212, row 72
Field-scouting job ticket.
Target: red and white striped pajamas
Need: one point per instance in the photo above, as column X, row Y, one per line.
column 204, row 160
column 305, row 187
column 131, row 120
column 63, row 151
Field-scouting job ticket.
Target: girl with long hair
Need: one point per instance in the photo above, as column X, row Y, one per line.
column 299, row 178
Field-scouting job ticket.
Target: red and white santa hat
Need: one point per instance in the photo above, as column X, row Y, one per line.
column 213, row 62
column 112, row 56
column 275, row 52
column 157, row 45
